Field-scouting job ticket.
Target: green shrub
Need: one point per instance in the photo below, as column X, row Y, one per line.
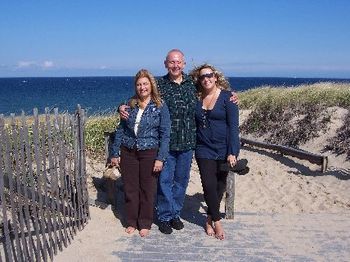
column 94, row 131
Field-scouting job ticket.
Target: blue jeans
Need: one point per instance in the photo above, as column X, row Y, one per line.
column 172, row 184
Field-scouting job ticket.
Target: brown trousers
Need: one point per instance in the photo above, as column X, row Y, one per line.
column 140, row 185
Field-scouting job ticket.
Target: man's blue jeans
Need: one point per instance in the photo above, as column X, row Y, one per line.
column 172, row 184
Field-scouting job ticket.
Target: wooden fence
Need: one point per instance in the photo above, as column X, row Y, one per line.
column 284, row 150
column 43, row 187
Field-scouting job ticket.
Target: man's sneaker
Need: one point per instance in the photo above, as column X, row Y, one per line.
column 165, row 227
column 176, row 223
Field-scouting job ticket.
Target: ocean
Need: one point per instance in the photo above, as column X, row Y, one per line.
column 100, row 95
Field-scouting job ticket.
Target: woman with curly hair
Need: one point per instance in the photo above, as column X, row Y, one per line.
column 217, row 139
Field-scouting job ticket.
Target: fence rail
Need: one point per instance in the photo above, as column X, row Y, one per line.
column 43, row 189
column 298, row 153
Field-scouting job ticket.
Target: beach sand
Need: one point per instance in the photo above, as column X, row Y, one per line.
column 275, row 185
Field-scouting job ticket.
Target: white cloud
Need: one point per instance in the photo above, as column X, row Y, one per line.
column 26, row 64
column 34, row 64
column 47, row 64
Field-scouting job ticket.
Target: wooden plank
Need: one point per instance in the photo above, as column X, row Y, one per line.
column 46, row 203
column 298, row 153
column 12, row 176
column 55, row 171
column 17, row 250
column 52, row 179
column 72, row 180
column 77, row 171
column 36, row 144
column 230, row 195
column 31, row 182
column 6, row 232
column 23, row 164
column 17, row 167
column 67, row 171
column 59, row 172
column 86, row 215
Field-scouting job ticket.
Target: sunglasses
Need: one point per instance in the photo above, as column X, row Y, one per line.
column 210, row 75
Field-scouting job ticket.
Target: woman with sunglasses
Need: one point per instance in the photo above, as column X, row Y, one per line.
column 217, row 139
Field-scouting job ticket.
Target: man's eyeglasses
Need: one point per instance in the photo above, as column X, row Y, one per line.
column 210, row 75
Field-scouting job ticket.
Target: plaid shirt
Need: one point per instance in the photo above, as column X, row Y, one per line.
column 181, row 100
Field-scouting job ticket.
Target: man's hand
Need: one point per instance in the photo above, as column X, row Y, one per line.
column 158, row 166
column 234, row 98
column 123, row 112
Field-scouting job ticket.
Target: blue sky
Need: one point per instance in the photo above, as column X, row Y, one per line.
column 281, row 38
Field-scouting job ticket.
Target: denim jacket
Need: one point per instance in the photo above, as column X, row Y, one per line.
column 153, row 131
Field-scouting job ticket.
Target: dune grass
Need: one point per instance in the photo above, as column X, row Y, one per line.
column 325, row 94
column 95, row 127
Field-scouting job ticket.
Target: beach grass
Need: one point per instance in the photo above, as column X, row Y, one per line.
column 325, row 93
column 95, row 127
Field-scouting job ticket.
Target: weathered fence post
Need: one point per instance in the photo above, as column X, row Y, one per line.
column 230, row 195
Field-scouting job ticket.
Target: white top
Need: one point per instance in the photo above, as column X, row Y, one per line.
column 138, row 119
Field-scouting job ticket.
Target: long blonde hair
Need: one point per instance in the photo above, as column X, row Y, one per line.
column 154, row 90
column 221, row 83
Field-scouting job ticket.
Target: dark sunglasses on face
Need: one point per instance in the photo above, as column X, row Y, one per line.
column 210, row 75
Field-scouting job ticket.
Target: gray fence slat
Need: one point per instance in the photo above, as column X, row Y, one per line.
column 11, row 191
column 11, row 177
column 82, row 164
column 74, row 175
column 77, row 174
column 47, row 212
column 27, row 163
column 36, row 145
column 15, row 136
column 67, row 177
column 35, row 222
column 51, row 168
column 17, row 222
column 6, row 232
column 55, row 172
column 59, row 173
column 66, row 149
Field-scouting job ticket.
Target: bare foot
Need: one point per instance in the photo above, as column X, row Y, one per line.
column 130, row 230
column 144, row 232
column 219, row 231
column 209, row 227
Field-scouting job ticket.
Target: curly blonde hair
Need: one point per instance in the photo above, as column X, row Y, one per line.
column 222, row 82
column 155, row 96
